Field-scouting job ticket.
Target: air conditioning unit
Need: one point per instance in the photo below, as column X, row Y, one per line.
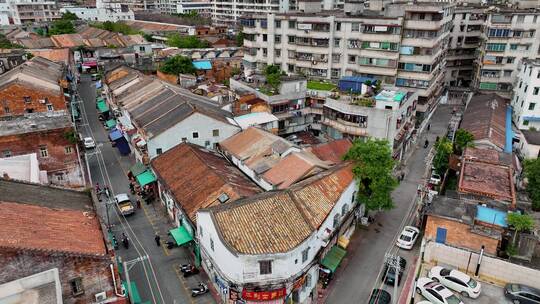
column 100, row 297
column 42, row 101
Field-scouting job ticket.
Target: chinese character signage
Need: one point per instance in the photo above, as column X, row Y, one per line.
column 264, row 295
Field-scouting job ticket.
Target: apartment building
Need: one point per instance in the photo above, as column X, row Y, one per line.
column 463, row 47
column 28, row 11
column 202, row 8
column 104, row 11
column 526, row 101
column 404, row 46
column 510, row 36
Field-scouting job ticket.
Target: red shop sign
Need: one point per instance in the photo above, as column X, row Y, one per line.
column 264, row 295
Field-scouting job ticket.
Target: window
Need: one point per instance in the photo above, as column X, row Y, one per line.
column 355, row 27
column 60, row 177
column 336, row 220
column 292, row 24
column 278, row 23
column 510, row 59
column 513, row 46
column 345, row 209
column 159, row 151
column 215, row 132
column 525, row 90
column 278, row 53
column 337, row 41
column 520, row 84
column 305, row 255
column 7, row 153
column 265, row 37
column 338, row 26
column 201, row 231
column 507, row 73
column 535, row 90
column 195, row 135
column 532, row 105
column 76, row 286
column 68, row 149
column 211, row 244
column 291, row 39
column 496, row 47
column 525, row 122
column 27, row 99
column 207, row 143
column 265, row 267
column 223, row 198
column 520, row 19
column 6, row 110
column 277, row 39
column 43, row 151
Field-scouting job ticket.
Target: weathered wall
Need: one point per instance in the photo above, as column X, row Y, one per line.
column 95, row 272
column 12, row 98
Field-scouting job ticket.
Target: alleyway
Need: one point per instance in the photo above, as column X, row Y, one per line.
column 358, row 274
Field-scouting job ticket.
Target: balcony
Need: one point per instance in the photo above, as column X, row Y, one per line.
column 423, row 24
column 344, row 127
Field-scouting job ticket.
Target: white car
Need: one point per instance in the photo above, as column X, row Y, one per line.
column 456, row 280
column 435, row 292
column 408, row 237
column 89, row 143
column 435, row 179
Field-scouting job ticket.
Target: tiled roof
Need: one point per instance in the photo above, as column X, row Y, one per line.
column 36, row 43
column 30, row 227
column 38, row 72
column 485, row 118
column 56, row 55
column 197, row 177
column 67, row 40
column 278, row 221
column 293, row 168
column 332, row 151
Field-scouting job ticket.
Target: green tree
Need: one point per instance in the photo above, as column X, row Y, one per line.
column 373, row 165
column 273, row 75
column 6, row 44
column 69, row 16
column 520, row 222
column 239, row 39
column 116, row 27
column 61, row 26
column 462, row 140
column 532, row 173
column 186, row 42
column 443, row 150
column 178, row 65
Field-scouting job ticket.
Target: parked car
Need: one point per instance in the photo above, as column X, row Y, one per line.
column 389, row 276
column 380, row 296
column 89, row 143
column 456, row 280
column 522, row 294
column 408, row 237
column 125, row 206
column 435, row 292
column 435, row 178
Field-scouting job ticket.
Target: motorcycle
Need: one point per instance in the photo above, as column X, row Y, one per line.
column 199, row 290
column 125, row 241
column 426, row 144
column 115, row 242
column 189, row 270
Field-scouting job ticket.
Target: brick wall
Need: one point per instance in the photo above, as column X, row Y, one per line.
column 95, row 272
column 13, row 95
column 459, row 235
column 57, row 161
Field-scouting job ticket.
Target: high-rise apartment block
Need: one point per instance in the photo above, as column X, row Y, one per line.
column 28, row 11
column 526, row 100
column 403, row 46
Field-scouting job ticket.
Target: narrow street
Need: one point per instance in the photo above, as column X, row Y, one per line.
column 153, row 268
column 359, row 272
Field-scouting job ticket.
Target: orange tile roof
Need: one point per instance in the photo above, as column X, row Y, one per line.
column 485, row 118
column 278, row 221
column 56, row 55
column 197, row 177
column 332, row 151
column 31, row 227
column 294, row 167
column 67, row 40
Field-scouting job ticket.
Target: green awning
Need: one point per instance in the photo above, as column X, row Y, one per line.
column 145, row 178
column 333, row 258
column 102, row 106
column 134, row 296
column 74, row 112
column 111, row 123
column 137, row 169
column 98, row 99
column 181, row 236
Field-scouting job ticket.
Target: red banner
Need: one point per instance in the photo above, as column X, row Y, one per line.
column 264, row 295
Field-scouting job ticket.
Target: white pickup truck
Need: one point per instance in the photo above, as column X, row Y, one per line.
column 124, row 204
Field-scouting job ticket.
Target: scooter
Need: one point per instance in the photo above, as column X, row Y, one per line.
column 125, row 241
column 199, row 290
column 115, row 242
column 426, row 144
column 189, row 271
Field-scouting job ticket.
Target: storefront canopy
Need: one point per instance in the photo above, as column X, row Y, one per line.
column 137, row 169
column 145, row 178
column 102, row 106
column 111, row 123
column 134, row 296
column 181, row 236
column 333, row 258
column 115, row 134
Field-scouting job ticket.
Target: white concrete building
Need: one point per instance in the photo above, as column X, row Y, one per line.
column 271, row 246
column 104, row 11
column 28, row 11
column 23, row 168
column 202, row 8
column 529, row 144
column 526, row 100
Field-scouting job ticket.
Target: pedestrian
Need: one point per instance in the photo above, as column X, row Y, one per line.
column 158, row 239
column 138, row 204
column 98, row 189
column 402, row 175
column 131, row 188
column 437, row 139
column 428, row 126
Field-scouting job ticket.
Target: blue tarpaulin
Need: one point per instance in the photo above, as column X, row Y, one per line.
column 202, row 65
column 354, row 83
column 491, row 216
column 115, row 134
column 509, row 132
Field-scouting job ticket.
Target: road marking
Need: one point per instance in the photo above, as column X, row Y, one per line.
column 180, row 278
column 163, row 246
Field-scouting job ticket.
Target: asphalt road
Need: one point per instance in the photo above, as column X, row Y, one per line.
column 360, row 273
column 152, row 267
